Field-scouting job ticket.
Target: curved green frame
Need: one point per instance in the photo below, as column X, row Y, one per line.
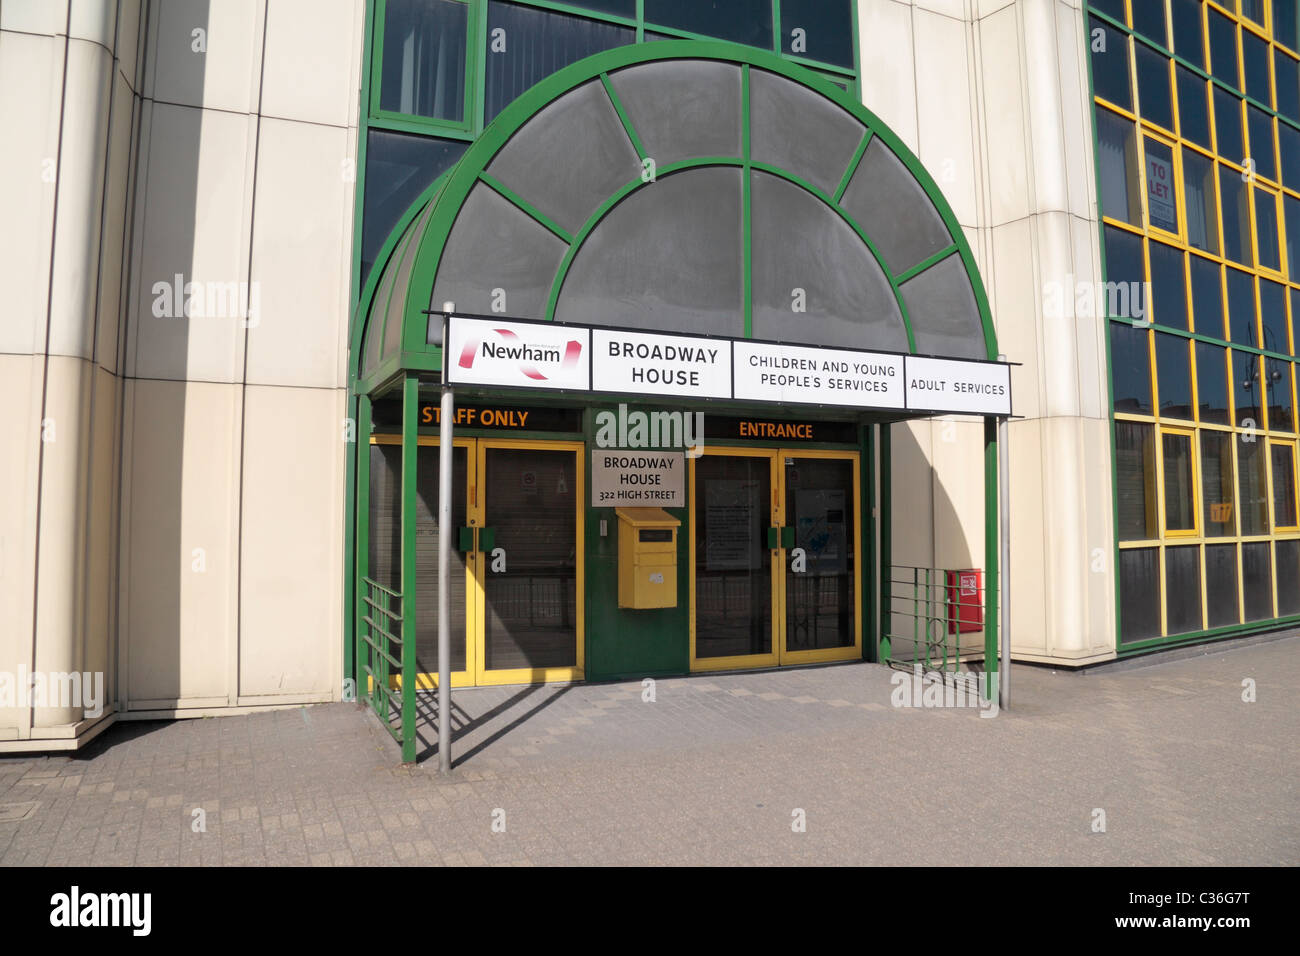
column 449, row 192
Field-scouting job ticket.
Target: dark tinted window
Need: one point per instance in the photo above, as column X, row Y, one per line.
column 741, row 21
column 423, row 72
column 1174, row 380
column 1207, row 297
column 1223, row 48
column 1183, row 589
column 1193, row 108
column 819, row 29
column 1241, row 307
column 1288, row 85
column 1257, row 577
column 1139, row 594
column 532, row 44
column 398, row 168
column 1227, row 124
column 1212, row 383
column 1110, row 71
column 1149, row 20
column 1188, row 31
column 1221, row 584
column 1260, row 126
column 1130, row 369
column 1254, row 57
column 1153, row 86
column 1168, row 287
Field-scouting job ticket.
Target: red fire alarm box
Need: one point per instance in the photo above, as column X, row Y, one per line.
column 965, row 601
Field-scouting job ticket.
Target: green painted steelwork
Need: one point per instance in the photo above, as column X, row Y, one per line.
column 470, row 170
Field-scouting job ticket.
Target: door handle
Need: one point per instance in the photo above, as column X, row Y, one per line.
column 465, row 540
column 787, row 537
column 487, row 539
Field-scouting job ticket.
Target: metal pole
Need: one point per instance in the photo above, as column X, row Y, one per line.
column 444, row 558
column 1004, row 506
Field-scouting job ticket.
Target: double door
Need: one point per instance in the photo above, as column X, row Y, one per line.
column 516, row 573
column 775, row 558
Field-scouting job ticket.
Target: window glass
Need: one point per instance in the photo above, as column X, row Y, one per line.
column 1254, row 10
column 1180, row 511
column 1124, row 273
column 1199, row 201
column 1286, row 24
column 1236, row 216
column 1284, row 515
column 1288, row 141
column 1257, row 580
column 1168, row 286
column 1254, row 491
column 536, row 44
column 1130, row 369
column 1188, row 30
column 682, row 109
column 796, row 129
column 1212, row 383
column 423, row 72
column 1183, row 589
column 1117, row 155
column 1288, row 84
column 667, row 258
column 1223, row 48
column 1154, row 100
column 398, row 168
column 1207, row 297
column 1110, row 65
column 1139, row 594
column 494, row 246
column 1241, row 307
column 741, row 21
column 622, row 8
column 588, row 157
column 1173, row 378
column 1291, row 208
column 1162, row 206
column 818, row 29
column 1288, row 577
column 1254, row 57
column 1245, row 390
column 941, row 306
column 893, row 209
column 1193, row 108
column 1149, row 20
column 1227, row 125
column 1114, row 8
column 1221, row 584
column 1135, row 472
column 1272, row 312
column 1216, row 484
column 800, row 242
column 1267, row 248
column 1261, row 142
column 1281, row 414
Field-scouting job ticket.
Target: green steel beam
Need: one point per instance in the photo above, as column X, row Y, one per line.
column 992, row 553
column 886, row 539
column 410, row 457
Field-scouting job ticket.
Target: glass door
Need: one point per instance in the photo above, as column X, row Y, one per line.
column 526, row 522
column 775, row 558
column 733, row 574
column 821, row 556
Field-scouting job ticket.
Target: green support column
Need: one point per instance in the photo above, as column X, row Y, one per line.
column 350, row 571
column 886, row 541
column 361, row 538
column 410, row 455
column 867, row 575
column 992, row 550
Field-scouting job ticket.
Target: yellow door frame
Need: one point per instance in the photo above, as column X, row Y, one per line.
column 851, row 651
column 777, row 569
column 479, row 570
column 779, row 654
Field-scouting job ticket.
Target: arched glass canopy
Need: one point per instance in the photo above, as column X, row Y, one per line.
column 682, row 186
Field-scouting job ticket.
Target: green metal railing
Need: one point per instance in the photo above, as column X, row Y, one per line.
column 380, row 637
column 928, row 607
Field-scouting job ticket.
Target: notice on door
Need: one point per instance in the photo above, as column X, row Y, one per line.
column 638, row 479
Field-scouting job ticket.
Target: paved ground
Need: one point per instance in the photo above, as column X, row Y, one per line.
column 711, row 772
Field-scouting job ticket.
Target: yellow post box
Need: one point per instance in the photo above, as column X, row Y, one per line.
column 647, row 558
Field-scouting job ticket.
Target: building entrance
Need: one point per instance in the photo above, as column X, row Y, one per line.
column 516, row 576
column 775, row 558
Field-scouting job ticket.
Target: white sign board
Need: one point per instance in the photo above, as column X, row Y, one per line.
column 795, row 374
column 550, row 355
column 1160, row 192
column 643, row 363
column 982, row 388
column 533, row 355
column 642, row 479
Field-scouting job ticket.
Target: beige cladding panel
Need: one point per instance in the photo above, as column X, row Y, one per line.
column 180, row 528
column 291, row 542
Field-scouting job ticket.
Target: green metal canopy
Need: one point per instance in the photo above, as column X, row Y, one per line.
column 681, row 186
